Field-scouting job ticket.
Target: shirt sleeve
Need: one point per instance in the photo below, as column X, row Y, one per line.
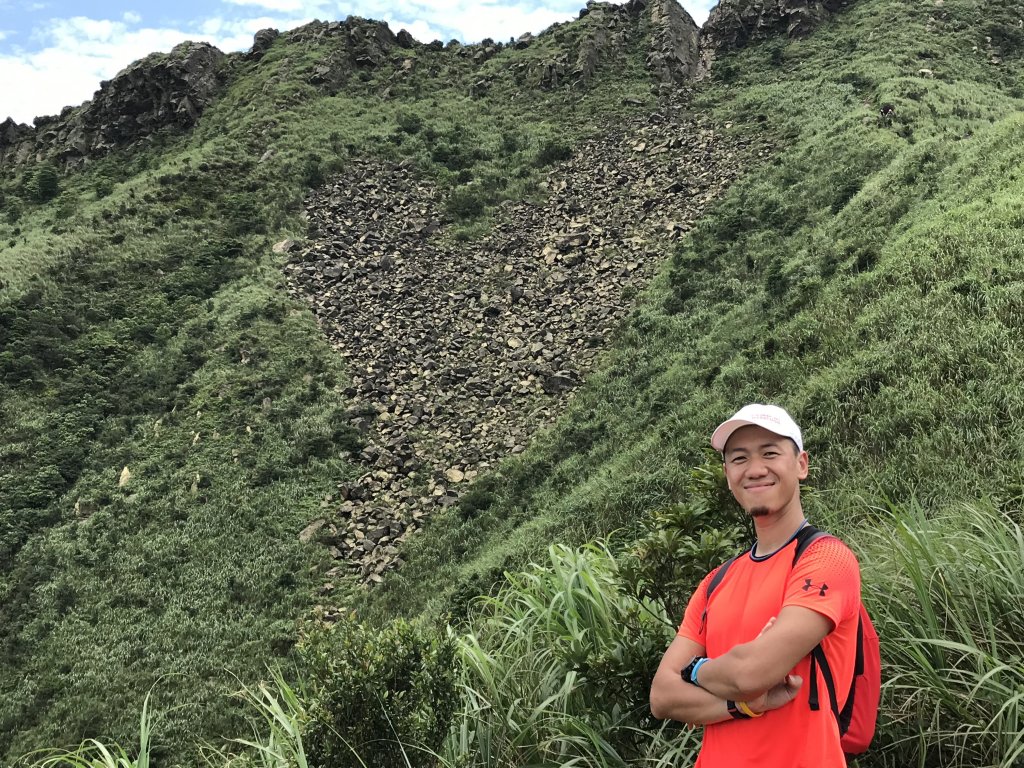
column 826, row 579
column 693, row 618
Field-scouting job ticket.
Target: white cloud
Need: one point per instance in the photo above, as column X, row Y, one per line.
column 131, row 17
column 467, row 20
column 79, row 54
column 304, row 7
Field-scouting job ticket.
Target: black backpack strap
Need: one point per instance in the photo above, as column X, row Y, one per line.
column 804, row 538
column 712, row 585
column 858, row 669
column 719, row 575
column 820, row 662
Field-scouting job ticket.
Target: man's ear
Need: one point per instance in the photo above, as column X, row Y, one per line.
column 803, row 463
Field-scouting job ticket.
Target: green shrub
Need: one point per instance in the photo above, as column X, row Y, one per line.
column 408, row 121
column 558, row 671
column 13, row 208
column 313, row 171
column 467, row 201
column 243, row 215
column 102, row 187
column 45, row 183
column 552, row 151
column 379, row 696
column 678, row 545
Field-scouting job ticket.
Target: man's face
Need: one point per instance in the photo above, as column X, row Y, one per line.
column 764, row 470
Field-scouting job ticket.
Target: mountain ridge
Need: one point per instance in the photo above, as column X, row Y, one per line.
column 171, row 90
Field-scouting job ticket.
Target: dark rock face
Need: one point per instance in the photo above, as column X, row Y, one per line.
column 459, row 353
column 261, row 43
column 733, row 24
column 174, row 89
column 674, row 48
column 158, row 91
column 608, row 31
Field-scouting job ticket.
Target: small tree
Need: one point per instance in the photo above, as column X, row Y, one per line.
column 46, row 183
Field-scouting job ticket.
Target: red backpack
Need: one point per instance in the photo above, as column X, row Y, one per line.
column 858, row 716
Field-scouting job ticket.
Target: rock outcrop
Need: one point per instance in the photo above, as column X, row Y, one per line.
column 261, row 43
column 165, row 90
column 674, row 53
column 459, row 353
column 732, row 24
column 158, row 91
column 603, row 35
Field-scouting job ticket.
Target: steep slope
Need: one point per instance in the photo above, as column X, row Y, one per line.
column 170, row 420
column 868, row 278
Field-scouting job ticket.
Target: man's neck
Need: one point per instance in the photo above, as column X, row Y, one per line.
column 775, row 530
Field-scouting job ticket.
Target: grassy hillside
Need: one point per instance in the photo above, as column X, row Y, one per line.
column 868, row 277
column 144, row 325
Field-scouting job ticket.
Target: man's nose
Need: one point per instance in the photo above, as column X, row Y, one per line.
column 756, row 468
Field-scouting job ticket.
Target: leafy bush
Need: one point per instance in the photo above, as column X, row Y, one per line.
column 378, row 696
column 680, row 544
column 558, row 671
column 552, row 151
column 408, row 121
column 45, row 183
column 467, row 201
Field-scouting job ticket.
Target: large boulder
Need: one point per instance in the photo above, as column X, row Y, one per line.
column 261, row 42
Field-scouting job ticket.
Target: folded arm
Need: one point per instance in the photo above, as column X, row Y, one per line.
column 748, row 670
column 672, row 698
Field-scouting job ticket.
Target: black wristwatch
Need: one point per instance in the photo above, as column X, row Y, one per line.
column 687, row 672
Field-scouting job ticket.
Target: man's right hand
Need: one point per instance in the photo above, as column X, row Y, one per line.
column 781, row 694
column 778, row 696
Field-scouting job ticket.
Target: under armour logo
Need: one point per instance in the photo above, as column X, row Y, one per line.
column 808, row 586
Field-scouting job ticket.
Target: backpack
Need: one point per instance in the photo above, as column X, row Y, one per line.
column 857, row 718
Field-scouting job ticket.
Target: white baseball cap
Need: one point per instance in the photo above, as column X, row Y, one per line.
column 771, row 417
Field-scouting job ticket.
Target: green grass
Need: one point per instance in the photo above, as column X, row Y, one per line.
column 558, row 668
column 554, row 668
column 946, row 592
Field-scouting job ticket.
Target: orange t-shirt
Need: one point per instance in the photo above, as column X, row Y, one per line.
column 825, row 579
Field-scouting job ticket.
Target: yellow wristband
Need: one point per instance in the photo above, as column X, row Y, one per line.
column 743, row 707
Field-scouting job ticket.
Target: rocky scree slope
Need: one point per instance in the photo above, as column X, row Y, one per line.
column 459, row 352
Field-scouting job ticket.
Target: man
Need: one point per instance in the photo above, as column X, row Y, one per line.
column 740, row 664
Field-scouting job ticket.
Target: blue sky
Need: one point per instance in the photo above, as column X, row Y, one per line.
column 53, row 53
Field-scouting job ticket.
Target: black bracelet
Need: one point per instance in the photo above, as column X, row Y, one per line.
column 687, row 672
column 734, row 711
